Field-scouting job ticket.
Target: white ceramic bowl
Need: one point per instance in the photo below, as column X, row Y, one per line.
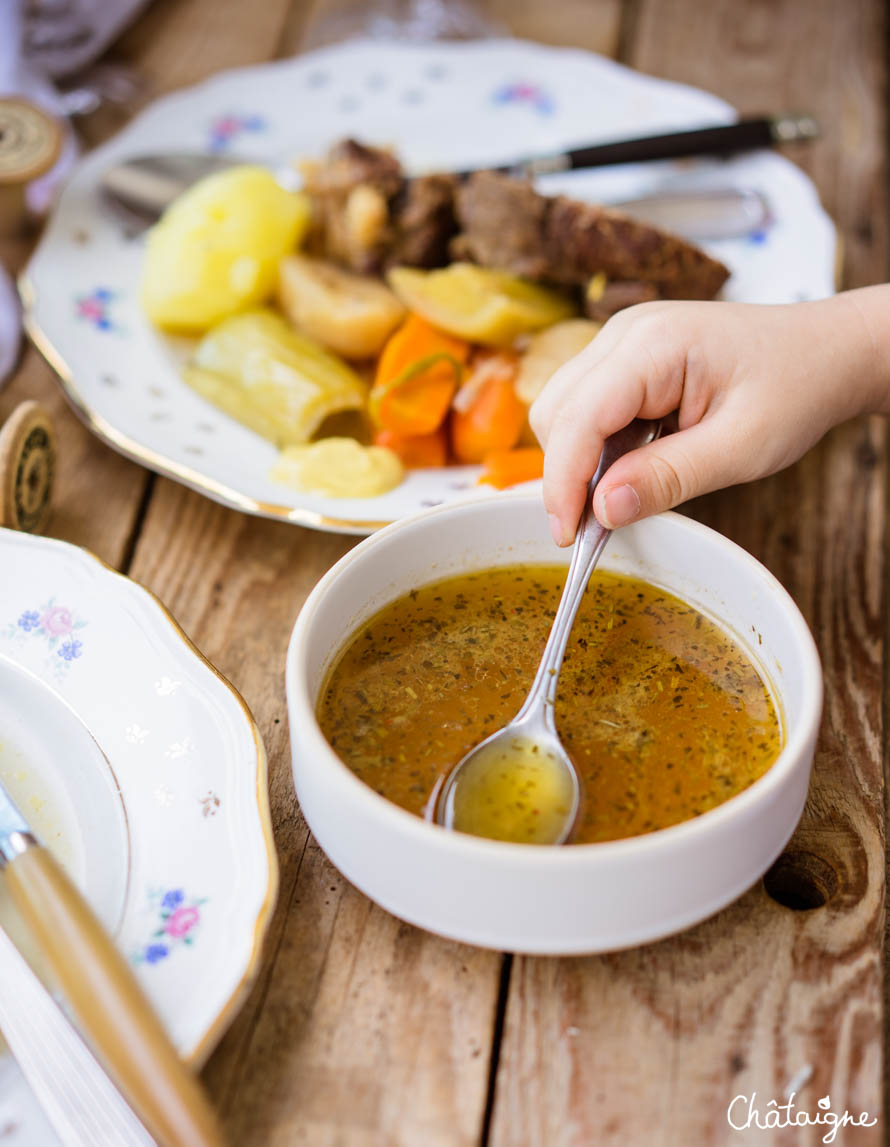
column 527, row 898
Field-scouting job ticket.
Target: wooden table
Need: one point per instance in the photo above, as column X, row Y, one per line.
column 363, row 1031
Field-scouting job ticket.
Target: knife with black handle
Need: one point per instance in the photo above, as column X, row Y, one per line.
column 725, row 139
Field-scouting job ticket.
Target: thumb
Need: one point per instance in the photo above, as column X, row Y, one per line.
column 663, row 474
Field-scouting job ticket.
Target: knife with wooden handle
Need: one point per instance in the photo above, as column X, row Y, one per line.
column 112, row 1011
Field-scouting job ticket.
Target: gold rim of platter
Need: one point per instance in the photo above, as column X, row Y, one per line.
column 227, row 1012
column 125, row 445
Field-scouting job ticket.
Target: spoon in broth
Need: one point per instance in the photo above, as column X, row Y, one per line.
column 520, row 784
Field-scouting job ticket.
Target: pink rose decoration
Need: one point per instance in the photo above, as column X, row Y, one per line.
column 57, row 621
column 90, row 309
column 180, row 922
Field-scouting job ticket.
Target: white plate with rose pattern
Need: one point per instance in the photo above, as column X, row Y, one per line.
column 191, row 770
column 442, row 106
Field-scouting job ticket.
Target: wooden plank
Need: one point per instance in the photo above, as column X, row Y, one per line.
column 817, row 57
column 651, row 1045
column 594, row 25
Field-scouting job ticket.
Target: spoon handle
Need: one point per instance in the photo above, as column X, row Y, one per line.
column 590, row 542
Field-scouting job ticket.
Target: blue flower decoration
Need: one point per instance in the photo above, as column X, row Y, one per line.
column 155, row 952
column 525, row 93
column 226, row 128
column 29, row 620
column 173, row 899
column 71, row 649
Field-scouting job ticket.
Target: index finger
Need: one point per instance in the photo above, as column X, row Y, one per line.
column 601, row 403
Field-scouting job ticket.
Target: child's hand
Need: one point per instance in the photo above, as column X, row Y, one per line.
column 755, row 388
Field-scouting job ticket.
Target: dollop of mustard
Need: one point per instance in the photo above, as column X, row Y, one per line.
column 338, row 468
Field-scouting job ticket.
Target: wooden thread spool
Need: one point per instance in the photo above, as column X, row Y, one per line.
column 27, row 468
column 30, row 142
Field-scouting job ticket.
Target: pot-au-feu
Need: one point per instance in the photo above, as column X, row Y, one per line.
column 410, row 320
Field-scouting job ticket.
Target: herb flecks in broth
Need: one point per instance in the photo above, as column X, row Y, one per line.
column 664, row 715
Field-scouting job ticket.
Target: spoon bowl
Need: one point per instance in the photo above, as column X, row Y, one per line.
column 520, row 784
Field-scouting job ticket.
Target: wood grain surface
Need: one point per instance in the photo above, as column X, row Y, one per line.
column 364, row 1032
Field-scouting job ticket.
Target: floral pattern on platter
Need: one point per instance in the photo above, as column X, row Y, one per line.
column 94, row 308
column 224, row 129
column 166, row 686
column 209, row 804
column 57, row 625
column 178, row 919
column 523, row 92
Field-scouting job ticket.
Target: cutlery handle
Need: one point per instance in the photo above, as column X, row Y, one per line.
column 743, row 135
column 114, row 1014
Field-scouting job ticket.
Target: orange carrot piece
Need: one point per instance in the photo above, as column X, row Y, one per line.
column 417, row 375
column 415, row 339
column 505, row 468
column 416, row 451
column 493, row 422
column 417, row 401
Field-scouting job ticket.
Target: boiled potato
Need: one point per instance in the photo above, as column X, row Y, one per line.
column 350, row 313
column 216, row 249
column 547, row 352
column 279, row 383
column 479, row 304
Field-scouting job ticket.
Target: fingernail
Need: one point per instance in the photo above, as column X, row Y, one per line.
column 621, row 505
column 555, row 528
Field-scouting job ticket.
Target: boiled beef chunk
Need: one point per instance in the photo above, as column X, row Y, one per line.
column 505, row 223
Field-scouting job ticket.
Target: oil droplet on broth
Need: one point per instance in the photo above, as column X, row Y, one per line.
column 515, row 790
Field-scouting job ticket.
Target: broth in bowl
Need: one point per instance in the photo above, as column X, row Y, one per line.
column 664, row 715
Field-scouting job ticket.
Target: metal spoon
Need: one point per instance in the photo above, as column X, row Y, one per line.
column 142, row 187
column 520, row 784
